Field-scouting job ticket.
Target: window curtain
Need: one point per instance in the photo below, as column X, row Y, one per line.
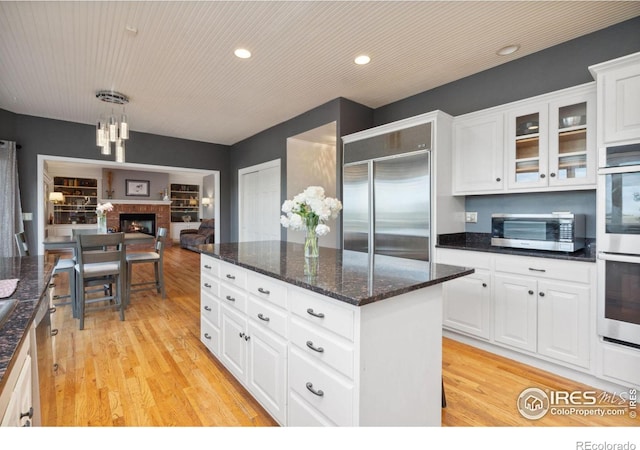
column 10, row 207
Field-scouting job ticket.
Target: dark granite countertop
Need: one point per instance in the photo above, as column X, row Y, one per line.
column 481, row 242
column 34, row 273
column 344, row 275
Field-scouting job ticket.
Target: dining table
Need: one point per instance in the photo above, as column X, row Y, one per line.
column 69, row 243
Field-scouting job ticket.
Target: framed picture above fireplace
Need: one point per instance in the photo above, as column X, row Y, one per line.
column 137, row 188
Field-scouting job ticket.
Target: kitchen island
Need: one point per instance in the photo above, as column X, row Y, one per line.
column 347, row 339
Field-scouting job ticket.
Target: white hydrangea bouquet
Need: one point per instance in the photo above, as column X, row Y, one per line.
column 101, row 212
column 308, row 211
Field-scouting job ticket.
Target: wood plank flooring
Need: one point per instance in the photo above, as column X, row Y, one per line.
column 152, row 369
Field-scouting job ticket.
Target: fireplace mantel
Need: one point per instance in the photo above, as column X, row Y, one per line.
column 115, row 201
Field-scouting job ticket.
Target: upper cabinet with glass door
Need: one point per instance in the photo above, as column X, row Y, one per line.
column 551, row 144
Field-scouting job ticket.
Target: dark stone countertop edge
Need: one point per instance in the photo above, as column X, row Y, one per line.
column 346, row 299
column 481, row 242
column 16, row 328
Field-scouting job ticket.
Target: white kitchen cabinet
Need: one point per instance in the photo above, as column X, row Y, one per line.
column 16, row 398
column 551, row 143
column 515, row 311
column 540, row 306
column 267, row 369
column 618, row 86
column 478, row 153
column 467, row 304
column 318, row 361
column 563, row 322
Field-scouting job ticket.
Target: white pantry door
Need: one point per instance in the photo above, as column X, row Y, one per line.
column 259, row 202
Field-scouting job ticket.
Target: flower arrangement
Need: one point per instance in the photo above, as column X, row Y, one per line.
column 309, row 211
column 102, row 208
column 101, row 212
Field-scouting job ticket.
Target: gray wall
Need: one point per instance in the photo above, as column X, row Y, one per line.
column 577, row 202
column 558, row 67
column 158, row 182
column 37, row 135
column 272, row 144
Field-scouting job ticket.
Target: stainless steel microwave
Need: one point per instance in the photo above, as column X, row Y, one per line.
column 558, row 231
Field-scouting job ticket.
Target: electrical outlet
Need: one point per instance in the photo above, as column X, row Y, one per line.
column 471, row 217
column 27, row 216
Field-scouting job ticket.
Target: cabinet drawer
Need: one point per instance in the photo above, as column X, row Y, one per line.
column 210, row 308
column 275, row 319
column 301, row 414
column 267, row 289
column 465, row 258
column 576, row 271
column 233, row 297
column 322, row 346
column 333, row 395
column 209, row 285
column 322, row 313
column 210, row 336
column 234, row 275
column 209, row 266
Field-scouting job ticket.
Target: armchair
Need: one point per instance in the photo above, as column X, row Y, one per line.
column 203, row 235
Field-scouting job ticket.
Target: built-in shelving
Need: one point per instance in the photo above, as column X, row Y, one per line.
column 185, row 202
column 80, row 200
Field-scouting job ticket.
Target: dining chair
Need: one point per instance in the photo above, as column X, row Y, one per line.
column 62, row 265
column 156, row 258
column 100, row 257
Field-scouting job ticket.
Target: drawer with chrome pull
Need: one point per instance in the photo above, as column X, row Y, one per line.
column 210, row 308
column 267, row 289
column 234, row 275
column 328, row 348
column 210, row 336
column 326, row 391
column 235, row 298
column 209, row 285
column 267, row 315
column 323, row 313
column 209, row 266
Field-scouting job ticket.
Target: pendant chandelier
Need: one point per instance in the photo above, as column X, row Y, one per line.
column 112, row 129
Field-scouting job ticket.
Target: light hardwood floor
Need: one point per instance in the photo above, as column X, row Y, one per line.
column 152, row 369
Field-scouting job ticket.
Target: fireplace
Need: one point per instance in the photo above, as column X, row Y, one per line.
column 143, row 223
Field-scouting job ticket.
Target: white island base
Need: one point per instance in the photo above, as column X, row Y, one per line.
column 312, row 360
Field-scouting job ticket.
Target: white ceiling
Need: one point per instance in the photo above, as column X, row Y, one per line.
column 184, row 81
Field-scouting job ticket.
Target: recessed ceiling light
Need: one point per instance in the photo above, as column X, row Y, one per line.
column 507, row 50
column 362, row 59
column 242, row 53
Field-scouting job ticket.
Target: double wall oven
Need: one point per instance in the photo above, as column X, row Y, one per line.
column 618, row 226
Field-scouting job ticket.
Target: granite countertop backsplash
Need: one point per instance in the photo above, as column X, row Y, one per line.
column 347, row 276
column 481, row 242
column 34, row 273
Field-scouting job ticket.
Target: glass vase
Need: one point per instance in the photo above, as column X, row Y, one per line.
column 311, row 249
column 102, row 223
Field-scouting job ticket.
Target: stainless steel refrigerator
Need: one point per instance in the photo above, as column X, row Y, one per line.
column 387, row 198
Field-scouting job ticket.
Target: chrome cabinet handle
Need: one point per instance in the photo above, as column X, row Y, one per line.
column 530, row 292
column 314, row 348
column 231, row 277
column 542, row 175
column 28, row 414
column 230, row 298
column 484, row 284
column 54, row 332
column 319, row 392
column 552, row 175
column 541, row 294
column 261, row 317
column 498, row 179
column 263, row 291
column 537, row 270
column 241, row 334
column 247, row 337
column 206, row 266
column 315, row 314
column 207, row 308
column 207, row 285
column 207, row 336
